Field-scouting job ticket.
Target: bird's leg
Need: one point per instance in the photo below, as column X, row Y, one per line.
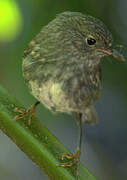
column 30, row 112
column 76, row 156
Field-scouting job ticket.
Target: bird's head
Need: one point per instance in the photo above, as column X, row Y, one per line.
column 89, row 38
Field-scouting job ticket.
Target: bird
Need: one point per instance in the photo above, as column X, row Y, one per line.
column 62, row 68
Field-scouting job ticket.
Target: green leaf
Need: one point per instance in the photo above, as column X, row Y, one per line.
column 36, row 141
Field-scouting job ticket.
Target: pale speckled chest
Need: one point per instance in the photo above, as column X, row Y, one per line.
column 66, row 88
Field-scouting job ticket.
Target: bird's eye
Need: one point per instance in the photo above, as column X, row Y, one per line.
column 91, row 41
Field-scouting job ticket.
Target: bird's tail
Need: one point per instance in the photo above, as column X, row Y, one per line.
column 90, row 116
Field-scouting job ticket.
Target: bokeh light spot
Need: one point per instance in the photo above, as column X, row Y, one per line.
column 10, row 20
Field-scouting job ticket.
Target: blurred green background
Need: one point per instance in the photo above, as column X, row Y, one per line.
column 104, row 150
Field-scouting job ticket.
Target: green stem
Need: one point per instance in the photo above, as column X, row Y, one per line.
column 36, row 141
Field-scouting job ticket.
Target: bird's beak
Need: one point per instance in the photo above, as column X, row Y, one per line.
column 113, row 53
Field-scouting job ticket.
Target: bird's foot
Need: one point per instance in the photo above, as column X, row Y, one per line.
column 23, row 113
column 75, row 157
column 74, row 160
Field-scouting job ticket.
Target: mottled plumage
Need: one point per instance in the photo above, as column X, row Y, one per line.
column 60, row 68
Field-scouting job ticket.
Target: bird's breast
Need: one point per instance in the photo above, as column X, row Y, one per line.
column 82, row 89
column 67, row 88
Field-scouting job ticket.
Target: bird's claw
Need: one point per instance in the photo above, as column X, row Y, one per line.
column 75, row 159
column 23, row 113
